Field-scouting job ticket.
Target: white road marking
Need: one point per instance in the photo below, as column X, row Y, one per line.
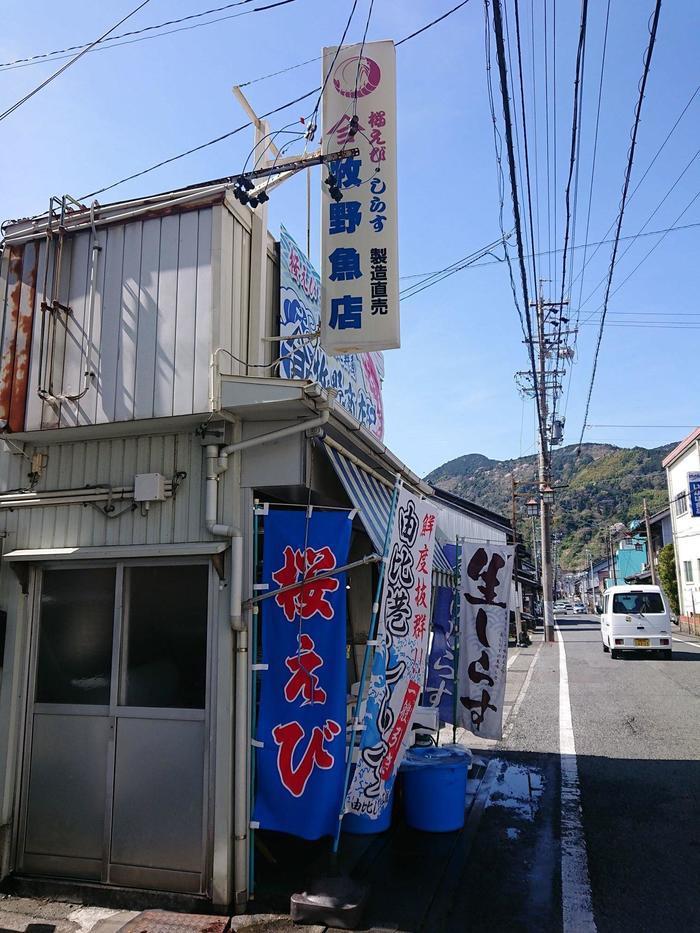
column 684, row 642
column 512, row 658
column 577, row 905
column 510, row 719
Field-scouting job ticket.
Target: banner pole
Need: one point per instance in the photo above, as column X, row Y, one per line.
column 455, row 637
column 370, row 637
column 253, row 697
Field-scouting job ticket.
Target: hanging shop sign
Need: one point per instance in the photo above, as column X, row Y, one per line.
column 442, row 676
column 356, row 379
column 300, row 736
column 694, row 489
column 359, row 228
column 485, row 593
column 400, row 655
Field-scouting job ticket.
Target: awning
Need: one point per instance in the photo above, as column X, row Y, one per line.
column 116, row 552
column 372, row 499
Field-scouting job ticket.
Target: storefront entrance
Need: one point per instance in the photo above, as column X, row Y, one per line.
column 117, row 729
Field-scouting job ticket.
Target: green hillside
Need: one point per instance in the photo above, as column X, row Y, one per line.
column 604, row 484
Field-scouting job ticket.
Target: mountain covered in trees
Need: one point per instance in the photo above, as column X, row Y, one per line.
column 602, row 485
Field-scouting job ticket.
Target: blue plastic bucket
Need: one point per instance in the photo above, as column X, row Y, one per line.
column 359, row 825
column 435, row 787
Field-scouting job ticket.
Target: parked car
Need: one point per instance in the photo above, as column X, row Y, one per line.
column 636, row 618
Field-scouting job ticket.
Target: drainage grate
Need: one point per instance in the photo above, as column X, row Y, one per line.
column 166, row 921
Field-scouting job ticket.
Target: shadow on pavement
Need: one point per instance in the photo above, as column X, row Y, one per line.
column 640, row 821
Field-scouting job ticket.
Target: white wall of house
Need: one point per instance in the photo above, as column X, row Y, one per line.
column 686, row 528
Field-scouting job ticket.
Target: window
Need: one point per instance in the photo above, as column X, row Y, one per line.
column 165, row 649
column 688, row 571
column 75, row 636
column 681, row 503
column 633, row 603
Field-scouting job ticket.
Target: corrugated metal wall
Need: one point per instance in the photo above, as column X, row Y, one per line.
column 115, row 461
column 453, row 523
column 151, row 336
column 168, row 291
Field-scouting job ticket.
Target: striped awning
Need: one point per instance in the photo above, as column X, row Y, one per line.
column 372, row 500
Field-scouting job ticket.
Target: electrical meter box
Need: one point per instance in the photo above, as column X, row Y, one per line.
column 149, row 487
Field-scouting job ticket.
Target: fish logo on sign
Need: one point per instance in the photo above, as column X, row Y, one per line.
column 357, row 76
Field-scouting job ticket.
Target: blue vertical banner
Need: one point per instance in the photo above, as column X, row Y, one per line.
column 441, row 680
column 694, row 490
column 300, row 737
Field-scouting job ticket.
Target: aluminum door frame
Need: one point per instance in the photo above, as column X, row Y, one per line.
column 34, row 615
column 207, row 715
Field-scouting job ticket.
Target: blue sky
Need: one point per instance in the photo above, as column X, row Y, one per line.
column 449, row 390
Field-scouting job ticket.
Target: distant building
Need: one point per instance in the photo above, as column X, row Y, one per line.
column 661, row 529
column 685, row 459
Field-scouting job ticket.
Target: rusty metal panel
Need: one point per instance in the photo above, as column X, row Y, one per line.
column 9, row 336
column 35, row 405
column 25, row 326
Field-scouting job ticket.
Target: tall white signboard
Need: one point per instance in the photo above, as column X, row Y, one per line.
column 359, row 230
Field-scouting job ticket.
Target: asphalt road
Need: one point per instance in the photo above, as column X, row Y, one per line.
column 636, row 729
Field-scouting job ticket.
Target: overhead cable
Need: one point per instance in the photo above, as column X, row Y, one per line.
column 244, row 126
column 112, row 41
column 643, row 176
column 56, row 74
column 500, row 55
column 623, row 201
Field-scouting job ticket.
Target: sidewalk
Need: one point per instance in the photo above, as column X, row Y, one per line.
column 412, row 875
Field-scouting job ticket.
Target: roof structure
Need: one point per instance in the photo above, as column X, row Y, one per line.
column 681, row 448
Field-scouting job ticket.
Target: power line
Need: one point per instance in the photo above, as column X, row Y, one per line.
column 500, row 55
column 630, row 236
column 525, row 143
column 58, row 54
column 648, row 220
column 644, row 175
column 625, row 188
column 646, row 256
column 244, row 126
column 209, row 142
column 73, row 60
column 432, row 23
column 436, row 277
column 314, row 114
column 575, row 143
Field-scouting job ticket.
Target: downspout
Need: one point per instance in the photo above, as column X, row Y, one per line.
column 217, row 462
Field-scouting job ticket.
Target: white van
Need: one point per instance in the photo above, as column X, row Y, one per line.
column 635, row 618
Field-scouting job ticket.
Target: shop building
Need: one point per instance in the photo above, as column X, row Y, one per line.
column 682, row 464
column 143, row 418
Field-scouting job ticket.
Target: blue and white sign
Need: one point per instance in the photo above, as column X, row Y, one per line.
column 694, row 490
column 356, row 379
column 300, row 736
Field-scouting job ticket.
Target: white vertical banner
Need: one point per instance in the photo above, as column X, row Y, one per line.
column 400, row 658
column 485, row 596
column 359, row 233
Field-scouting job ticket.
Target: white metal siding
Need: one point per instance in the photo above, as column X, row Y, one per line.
column 115, row 461
column 453, row 523
column 152, row 323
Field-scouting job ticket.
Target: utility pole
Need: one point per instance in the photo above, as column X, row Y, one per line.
column 522, row 633
column 611, row 558
column 549, row 341
column 650, row 550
